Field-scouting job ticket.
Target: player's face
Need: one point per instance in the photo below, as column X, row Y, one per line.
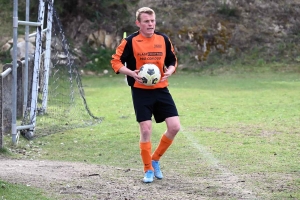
column 146, row 24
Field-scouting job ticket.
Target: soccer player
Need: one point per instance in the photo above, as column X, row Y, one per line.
column 148, row 46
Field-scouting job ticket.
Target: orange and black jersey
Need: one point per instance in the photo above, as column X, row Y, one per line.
column 137, row 50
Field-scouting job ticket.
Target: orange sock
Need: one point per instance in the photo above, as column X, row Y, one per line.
column 146, row 155
column 162, row 147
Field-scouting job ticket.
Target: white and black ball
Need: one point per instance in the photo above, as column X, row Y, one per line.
column 150, row 74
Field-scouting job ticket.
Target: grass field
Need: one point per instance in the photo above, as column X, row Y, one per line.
column 245, row 124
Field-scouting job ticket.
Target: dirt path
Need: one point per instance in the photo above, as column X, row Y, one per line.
column 66, row 180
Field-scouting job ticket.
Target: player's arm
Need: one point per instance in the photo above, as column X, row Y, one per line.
column 133, row 74
column 170, row 60
column 120, row 58
column 168, row 72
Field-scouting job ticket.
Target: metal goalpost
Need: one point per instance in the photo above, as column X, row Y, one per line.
column 46, row 93
column 44, row 10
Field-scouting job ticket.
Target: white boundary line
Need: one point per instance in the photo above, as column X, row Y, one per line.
column 234, row 182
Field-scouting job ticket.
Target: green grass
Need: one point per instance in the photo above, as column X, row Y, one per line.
column 248, row 123
column 6, row 18
column 20, row 192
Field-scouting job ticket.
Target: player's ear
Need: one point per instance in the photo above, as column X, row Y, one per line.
column 137, row 23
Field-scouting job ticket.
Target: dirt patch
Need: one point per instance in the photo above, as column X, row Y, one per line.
column 72, row 180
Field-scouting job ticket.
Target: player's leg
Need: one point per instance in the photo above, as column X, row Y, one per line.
column 173, row 126
column 146, row 149
column 145, row 130
column 143, row 101
column 145, row 144
column 166, row 111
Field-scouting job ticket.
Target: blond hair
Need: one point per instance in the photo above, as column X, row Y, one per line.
column 143, row 10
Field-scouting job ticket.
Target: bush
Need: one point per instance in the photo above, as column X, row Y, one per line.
column 99, row 59
column 227, row 11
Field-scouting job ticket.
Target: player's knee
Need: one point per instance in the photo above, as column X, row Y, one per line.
column 145, row 136
column 145, row 130
column 174, row 129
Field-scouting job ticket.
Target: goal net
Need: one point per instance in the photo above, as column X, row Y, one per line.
column 56, row 98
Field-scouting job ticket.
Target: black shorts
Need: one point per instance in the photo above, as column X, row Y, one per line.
column 156, row 102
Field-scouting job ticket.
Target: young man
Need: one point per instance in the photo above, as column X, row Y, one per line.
column 141, row 47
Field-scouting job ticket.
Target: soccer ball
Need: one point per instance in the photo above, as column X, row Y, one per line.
column 150, row 74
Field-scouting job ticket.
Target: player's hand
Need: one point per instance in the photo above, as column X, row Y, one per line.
column 136, row 76
column 168, row 72
column 133, row 74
